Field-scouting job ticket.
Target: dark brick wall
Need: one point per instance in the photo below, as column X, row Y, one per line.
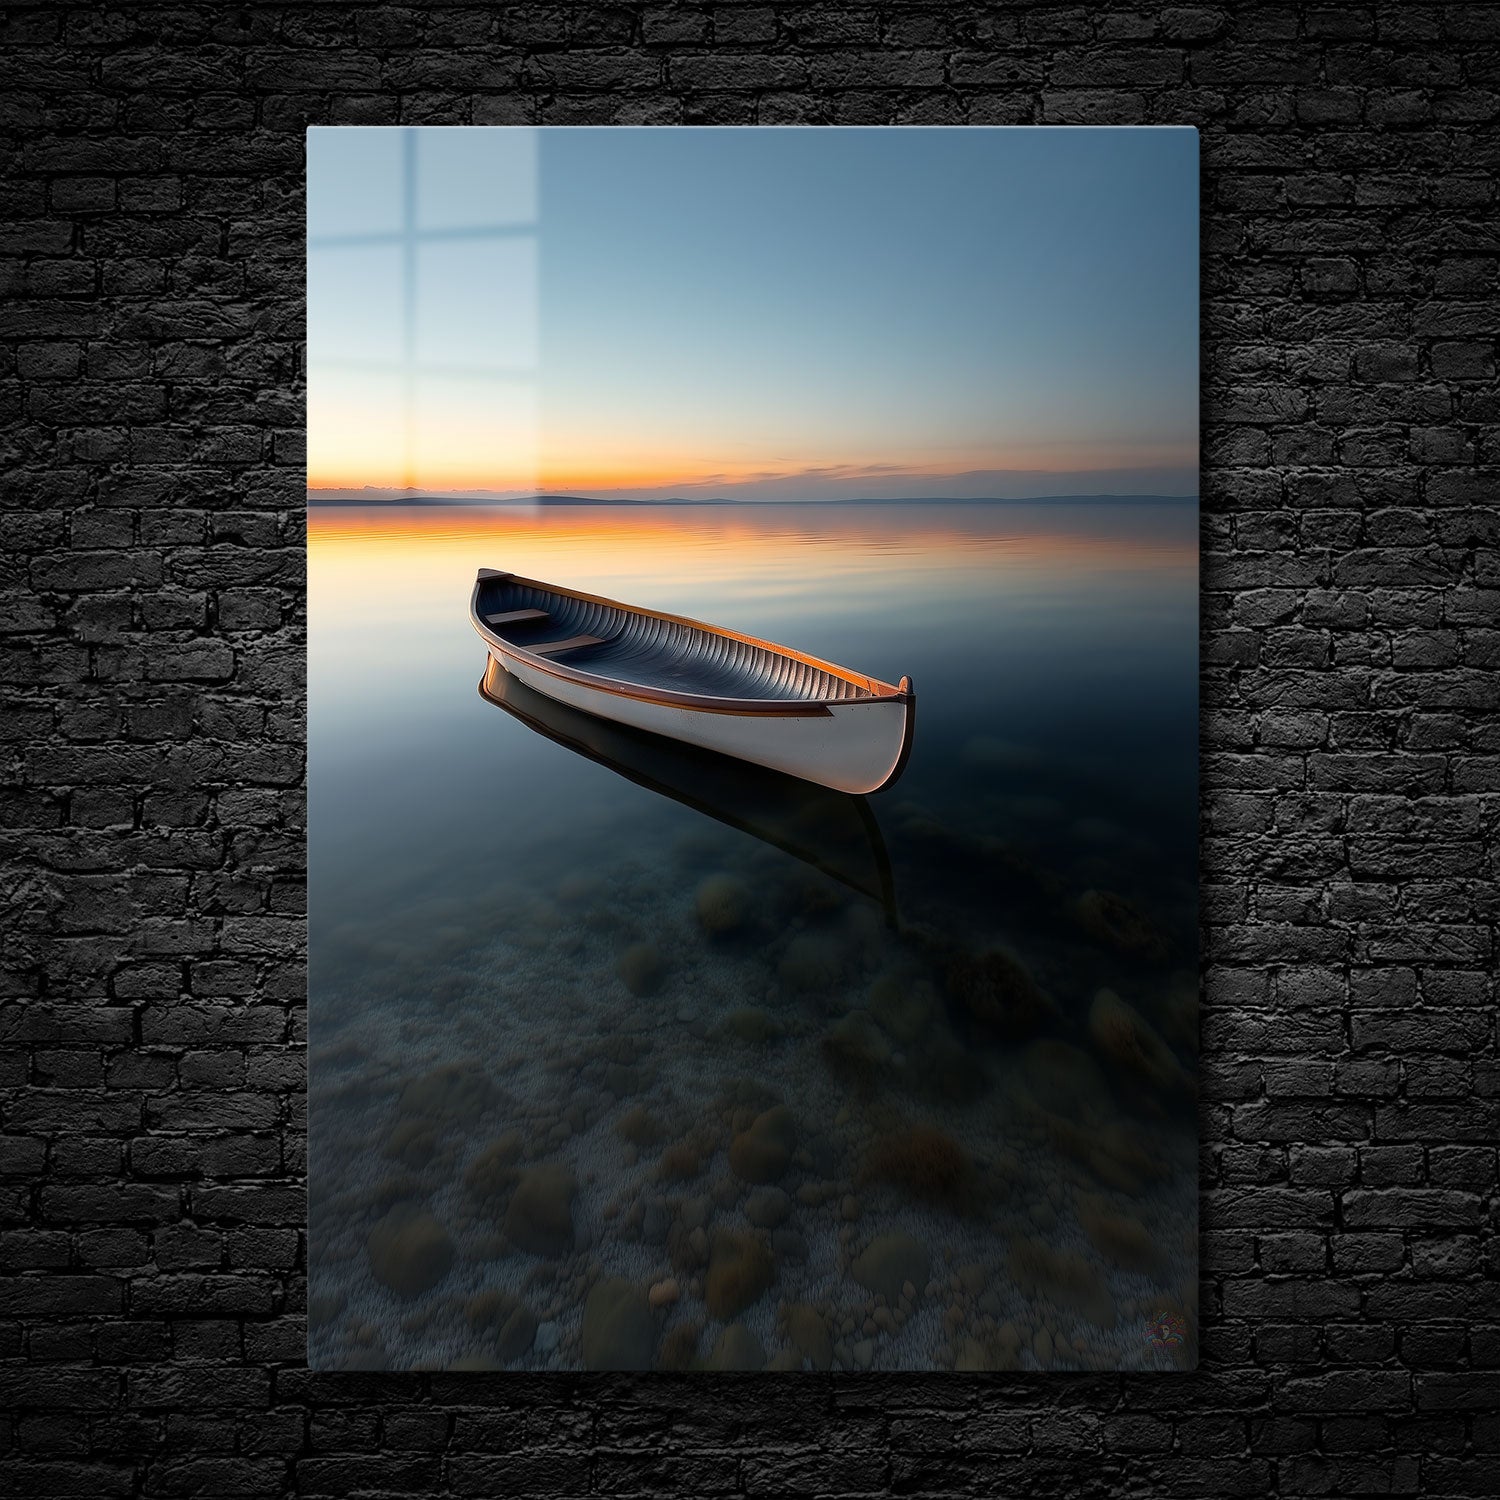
column 151, row 982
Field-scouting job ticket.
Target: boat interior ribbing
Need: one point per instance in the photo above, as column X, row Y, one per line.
column 653, row 651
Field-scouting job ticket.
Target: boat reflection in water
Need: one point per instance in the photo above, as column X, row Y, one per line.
column 835, row 832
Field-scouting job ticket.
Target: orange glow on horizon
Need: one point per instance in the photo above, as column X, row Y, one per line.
column 622, row 475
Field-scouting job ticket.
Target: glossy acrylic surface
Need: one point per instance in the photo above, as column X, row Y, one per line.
column 550, row 1003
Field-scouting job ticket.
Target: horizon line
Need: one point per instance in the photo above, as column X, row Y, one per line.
column 332, row 497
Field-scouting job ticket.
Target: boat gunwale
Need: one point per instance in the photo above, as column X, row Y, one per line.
column 880, row 692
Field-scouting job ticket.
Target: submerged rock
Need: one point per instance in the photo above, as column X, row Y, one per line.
column 1128, row 1039
column 737, row 1349
column 492, row 1173
column 999, row 993
column 664, row 1293
column 1115, row 1155
column 723, row 904
column 1113, row 921
column 412, row 1142
column 889, row 1261
column 924, row 1162
column 762, row 1152
column 1122, row 1240
column 641, row 969
column 452, row 1091
column 540, row 1216
column 409, row 1251
column 619, row 1332
column 402, row 1188
column 324, row 1307
column 679, row 1349
column 679, row 1163
column 508, row 1318
column 856, row 1049
column 639, row 1126
column 1064, row 1276
column 740, row 1269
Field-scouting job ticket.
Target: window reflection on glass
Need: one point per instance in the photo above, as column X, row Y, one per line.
column 476, row 304
column 474, row 434
column 346, row 289
column 353, row 183
column 475, row 178
column 422, row 309
column 356, row 423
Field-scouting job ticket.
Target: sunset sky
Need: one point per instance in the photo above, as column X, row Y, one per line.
column 758, row 314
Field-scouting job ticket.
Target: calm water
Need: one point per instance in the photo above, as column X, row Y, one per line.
column 600, row 1076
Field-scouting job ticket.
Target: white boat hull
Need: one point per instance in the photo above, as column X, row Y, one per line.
column 717, row 689
column 854, row 747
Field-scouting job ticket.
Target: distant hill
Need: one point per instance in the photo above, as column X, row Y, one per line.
column 1033, row 500
column 313, row 498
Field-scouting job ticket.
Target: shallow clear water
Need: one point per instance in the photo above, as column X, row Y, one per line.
column 552, row 997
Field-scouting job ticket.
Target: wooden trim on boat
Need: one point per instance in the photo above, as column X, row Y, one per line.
column 793, row 708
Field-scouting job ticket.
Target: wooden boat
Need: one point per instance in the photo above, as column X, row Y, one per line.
column 833, row 832
column 713, row 688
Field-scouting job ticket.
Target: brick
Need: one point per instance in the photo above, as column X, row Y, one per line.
column 153, row 1201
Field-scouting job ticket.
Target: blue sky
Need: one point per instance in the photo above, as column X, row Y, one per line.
column 762, row 313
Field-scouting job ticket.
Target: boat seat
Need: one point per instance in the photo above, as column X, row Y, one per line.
column 573, row 643
column 517, row 617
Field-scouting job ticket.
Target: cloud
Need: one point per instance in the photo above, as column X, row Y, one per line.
column 895, row 482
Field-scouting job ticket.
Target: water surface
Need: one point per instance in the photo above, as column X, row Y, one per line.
column 574, row 1039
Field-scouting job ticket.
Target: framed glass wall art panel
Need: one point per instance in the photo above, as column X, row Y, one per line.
column 753, row 749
